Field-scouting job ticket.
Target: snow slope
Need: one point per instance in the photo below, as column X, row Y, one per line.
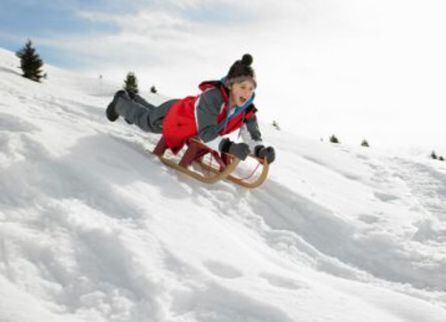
column 94, row 228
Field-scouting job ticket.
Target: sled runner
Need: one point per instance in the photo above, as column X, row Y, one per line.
column 212, row 166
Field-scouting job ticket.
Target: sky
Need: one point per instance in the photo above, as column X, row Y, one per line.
column 358, row 69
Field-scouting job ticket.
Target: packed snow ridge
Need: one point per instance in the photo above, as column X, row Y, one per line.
column 94, row 228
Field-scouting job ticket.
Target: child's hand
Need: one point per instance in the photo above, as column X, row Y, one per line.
column 240, row 150
column 261, row 152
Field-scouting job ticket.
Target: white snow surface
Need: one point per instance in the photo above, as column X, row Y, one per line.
column 94, row 228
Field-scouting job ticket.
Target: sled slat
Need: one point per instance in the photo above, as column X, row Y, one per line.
column 206, row 179
column 240, row 181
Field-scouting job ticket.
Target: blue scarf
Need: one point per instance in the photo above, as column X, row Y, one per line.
column 236, row 112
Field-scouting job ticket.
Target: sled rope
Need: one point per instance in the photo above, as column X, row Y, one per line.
column 208, row 172
column 252, row 173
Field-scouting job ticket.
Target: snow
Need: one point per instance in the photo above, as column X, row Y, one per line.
column 95, row 228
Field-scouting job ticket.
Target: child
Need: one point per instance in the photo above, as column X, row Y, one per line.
column 223, row 107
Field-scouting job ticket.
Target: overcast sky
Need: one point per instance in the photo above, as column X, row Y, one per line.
column 370, row 69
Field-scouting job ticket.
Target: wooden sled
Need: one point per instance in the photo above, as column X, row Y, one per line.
column 220, row 167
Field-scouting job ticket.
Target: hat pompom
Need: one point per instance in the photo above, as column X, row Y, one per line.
column 241, row 70
column 247, row 59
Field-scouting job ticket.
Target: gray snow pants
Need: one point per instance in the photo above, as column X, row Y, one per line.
column 138, row 111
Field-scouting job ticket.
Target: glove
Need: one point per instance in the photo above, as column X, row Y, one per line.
column 240, row 150
column 261, row 152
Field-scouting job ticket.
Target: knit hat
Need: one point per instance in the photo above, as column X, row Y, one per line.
column 240, row 71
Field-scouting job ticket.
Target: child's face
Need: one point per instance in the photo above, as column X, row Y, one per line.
column 241, row 92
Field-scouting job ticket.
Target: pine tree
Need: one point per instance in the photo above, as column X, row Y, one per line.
column 365, row 143
column 441, row 158
column 131, row 83
column 276, row 125
column 30, row 62
column 434, row 155
column 334, row 139
column 153, row 90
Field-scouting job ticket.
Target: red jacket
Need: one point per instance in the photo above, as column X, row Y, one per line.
column 180, row 123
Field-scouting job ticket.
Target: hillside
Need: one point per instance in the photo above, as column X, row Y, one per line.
column 94, row 228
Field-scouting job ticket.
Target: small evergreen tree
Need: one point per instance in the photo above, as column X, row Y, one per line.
column 434, row 155
column 365, row 143
column 441, row 158
column 153, row 90
column 131, row 83
column 334, row 139
column 276, row 125
column 30, row 62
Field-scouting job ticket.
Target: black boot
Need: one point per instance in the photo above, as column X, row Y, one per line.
column 111, row 113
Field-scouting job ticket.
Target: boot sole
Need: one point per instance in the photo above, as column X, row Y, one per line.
column 111, row 114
